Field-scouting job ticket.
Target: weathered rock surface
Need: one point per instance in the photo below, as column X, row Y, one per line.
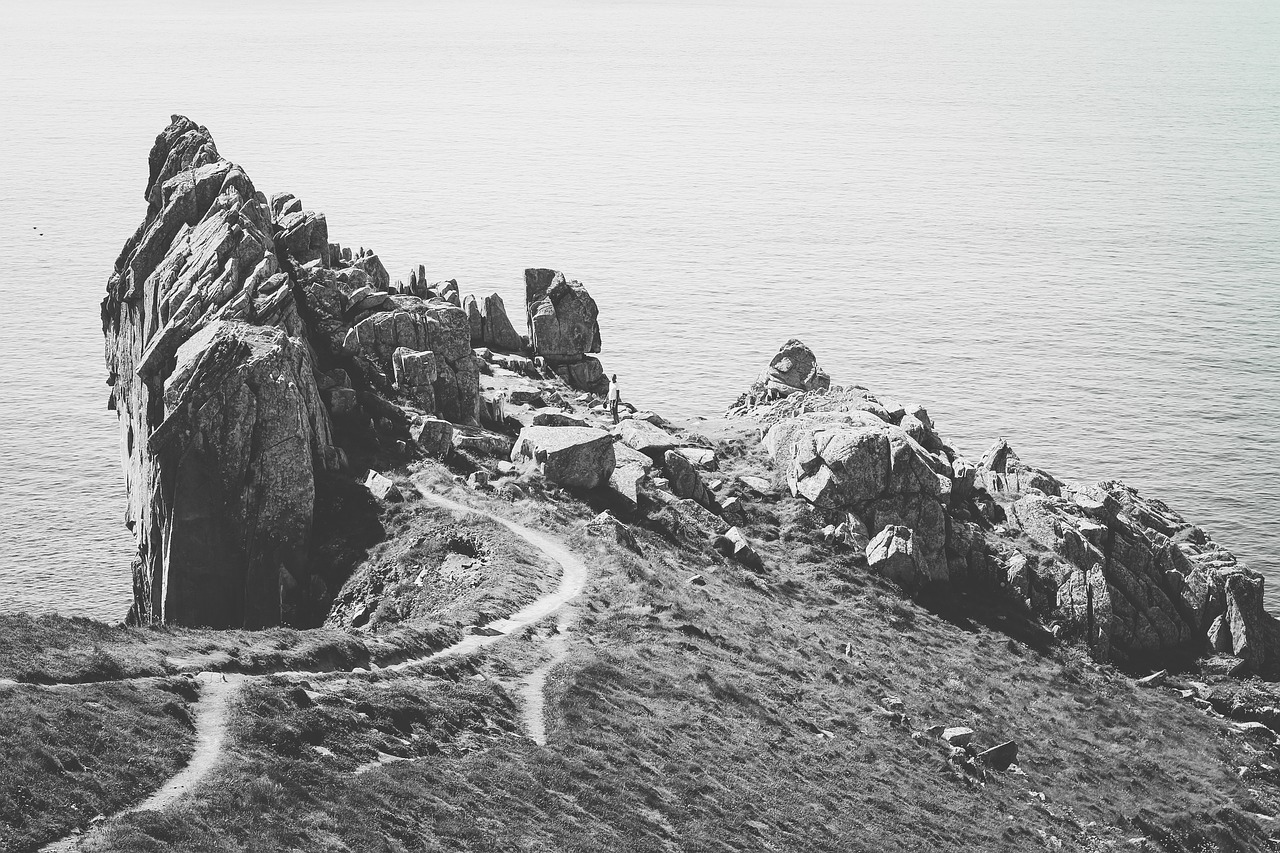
column 222, row 426
column 892, row 554
column 571, row 456
column 433, row 436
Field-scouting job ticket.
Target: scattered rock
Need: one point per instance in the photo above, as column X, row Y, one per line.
column 958, row 735
column 382, row 487
column 481, row 442
column 1000, row 757
column 686, row 482
column 733, row 543
column 733, row 511
column 1155, row 679
column 607, row 525
column 1260, row 731
column 434, row 437
column 1224, row 666
column 701, row 457
column 759, row 485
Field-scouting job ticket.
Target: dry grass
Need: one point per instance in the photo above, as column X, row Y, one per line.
column 68, row 754
column 740, row 715
column 53, row 649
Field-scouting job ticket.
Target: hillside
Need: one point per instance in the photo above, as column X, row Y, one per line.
column 410, row 580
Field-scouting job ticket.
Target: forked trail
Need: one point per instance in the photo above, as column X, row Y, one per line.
column 211, row 711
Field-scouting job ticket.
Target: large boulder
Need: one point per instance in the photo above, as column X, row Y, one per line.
column 416, row 374
column 794, row 369
column 685, row 480
column 222, row 427
column 651, row 440
column 434, row 437
column 563, row 318
column 631, row 470
column 857, row 463
column 581, row 457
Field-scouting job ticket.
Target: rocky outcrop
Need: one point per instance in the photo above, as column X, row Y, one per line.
column 222, row 426
column 563, row 328
column 1123, row 574
column 792, row 371
column 417, row 326
column 1131, row 578
column 490, row 325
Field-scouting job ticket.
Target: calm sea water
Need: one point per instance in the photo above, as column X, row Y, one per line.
column 1051, row 220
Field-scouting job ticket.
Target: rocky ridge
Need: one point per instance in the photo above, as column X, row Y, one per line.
column 1097, row 562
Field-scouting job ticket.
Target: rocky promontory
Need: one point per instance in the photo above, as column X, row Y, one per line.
column 500, row 618
column 256, row 366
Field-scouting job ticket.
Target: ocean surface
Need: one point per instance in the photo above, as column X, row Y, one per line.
column 1056, row 221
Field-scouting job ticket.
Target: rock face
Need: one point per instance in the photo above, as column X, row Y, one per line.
column 564, row 327
column 580, row 457
column 222, row 426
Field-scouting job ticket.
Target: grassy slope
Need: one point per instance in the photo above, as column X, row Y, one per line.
column 54, row 649
column 740, row 715
column 70, row 753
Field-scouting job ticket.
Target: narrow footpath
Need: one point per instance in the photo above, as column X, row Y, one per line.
column 211, row 711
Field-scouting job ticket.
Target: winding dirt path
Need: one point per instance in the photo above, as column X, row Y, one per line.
column 211, row 711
